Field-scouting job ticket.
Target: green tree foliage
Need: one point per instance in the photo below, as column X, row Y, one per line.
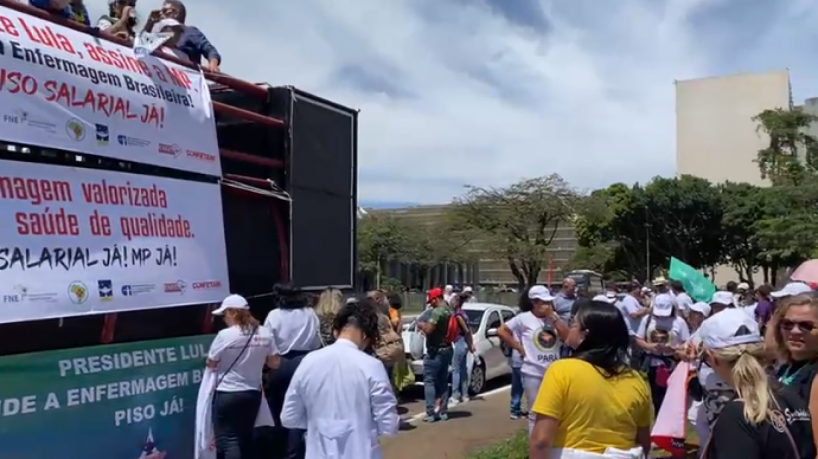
column 381, row 239
column 519, row 222
column 791, row 158
column 744, row 206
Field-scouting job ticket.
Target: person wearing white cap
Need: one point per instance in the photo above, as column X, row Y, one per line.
column 537, row 336
column 792, row 289
column 662, row 335
column 721, row 300
column 448, row 293
column 238, row 355
column 470, row 292
column 697, row 314
column 764, row 420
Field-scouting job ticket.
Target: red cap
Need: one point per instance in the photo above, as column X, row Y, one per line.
column 813, row 285
column 434, row 293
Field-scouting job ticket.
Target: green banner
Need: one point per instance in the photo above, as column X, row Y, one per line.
column 696, row 284
column 121, row 401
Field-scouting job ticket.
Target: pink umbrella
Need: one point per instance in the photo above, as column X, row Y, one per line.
column 807, row 272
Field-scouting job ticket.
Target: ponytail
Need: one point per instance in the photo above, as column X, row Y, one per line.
column 246, row 321
column 750, row 380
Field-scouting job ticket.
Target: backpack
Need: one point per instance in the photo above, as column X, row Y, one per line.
column 453, row 330
column 389, row 348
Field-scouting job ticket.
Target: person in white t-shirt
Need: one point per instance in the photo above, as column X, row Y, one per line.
column 537, row 336
column 238, row 355
column 683, row 300
column 662, row 335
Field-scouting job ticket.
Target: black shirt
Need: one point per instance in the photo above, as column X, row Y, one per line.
column 798, row 376
column 733, row 437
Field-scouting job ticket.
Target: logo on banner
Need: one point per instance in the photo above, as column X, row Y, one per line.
column 145, row 43
column 137, row 289
column 23, row 118
column 167, row 149
column 75, row 129
column 128, row 141
column 207, row 285
column 200, row 155
column 149, row 449
column 106, row 290
column 77, row 292
column 103, row 137
column 176, row 287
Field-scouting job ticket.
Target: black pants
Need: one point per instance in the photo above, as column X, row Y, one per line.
column 288, row 443
column 234, row 418
column 657, row 392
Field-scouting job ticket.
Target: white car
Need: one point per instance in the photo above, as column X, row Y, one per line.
column 490, row 362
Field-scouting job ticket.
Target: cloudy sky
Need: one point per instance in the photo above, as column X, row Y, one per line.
column 487, row 92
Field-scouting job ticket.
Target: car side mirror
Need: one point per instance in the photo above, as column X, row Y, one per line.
column 491, row 332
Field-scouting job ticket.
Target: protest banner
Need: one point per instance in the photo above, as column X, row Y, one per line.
column 128, row 401
column 64, row 89
column 83, row 241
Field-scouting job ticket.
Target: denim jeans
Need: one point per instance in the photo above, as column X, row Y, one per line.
column 460, row 371
column 531, row 386
column 436, row 379
column 516, row 391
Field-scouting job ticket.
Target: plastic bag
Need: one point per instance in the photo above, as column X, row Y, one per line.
column 402, row 376
column 417, row 344
column 469, row 364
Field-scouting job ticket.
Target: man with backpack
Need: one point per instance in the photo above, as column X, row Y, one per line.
column 438, row 356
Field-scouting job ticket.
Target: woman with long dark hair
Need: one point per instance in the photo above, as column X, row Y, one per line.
column 120, row 20
column 593, row 402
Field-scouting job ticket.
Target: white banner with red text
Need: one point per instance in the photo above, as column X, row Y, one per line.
column 81, row 241
column 64, row 89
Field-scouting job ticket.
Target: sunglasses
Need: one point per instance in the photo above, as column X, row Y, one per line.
column 789, row 325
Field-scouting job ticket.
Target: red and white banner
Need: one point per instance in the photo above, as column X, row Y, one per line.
column 64, row 89
column 81, row 241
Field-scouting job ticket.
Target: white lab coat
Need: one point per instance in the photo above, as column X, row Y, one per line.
column 344, row 399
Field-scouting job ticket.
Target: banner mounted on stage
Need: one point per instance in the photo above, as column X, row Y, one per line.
column 130, row 401
column 64, row 89
column 82, row 241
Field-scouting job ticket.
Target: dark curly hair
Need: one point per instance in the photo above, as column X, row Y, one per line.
column 362, row 314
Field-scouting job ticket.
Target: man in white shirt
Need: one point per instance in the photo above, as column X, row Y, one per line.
column 683, row 300
column 341, row 395
column 448, row 294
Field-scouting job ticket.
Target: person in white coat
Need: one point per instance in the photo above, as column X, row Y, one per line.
column 341, row 395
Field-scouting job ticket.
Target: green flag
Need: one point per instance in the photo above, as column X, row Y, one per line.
column 697, row 285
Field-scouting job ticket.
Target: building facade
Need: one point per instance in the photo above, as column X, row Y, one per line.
column 486, row 269
column 716, row 136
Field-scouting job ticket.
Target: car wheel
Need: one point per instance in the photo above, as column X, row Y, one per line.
column 477, row 382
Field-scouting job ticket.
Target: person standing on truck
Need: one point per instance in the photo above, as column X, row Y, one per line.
column 238, row 355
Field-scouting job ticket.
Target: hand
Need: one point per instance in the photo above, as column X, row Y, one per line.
column 472, row 349
column 521, row 351
column 213, row 66
column 155, row 16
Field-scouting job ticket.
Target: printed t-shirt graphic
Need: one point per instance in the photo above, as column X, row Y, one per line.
column 670, row 331
column 540, row 342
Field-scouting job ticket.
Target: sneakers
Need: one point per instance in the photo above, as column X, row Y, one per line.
column 518, row 415
column 436, row 417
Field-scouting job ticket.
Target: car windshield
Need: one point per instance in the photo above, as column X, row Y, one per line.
column 473, row 319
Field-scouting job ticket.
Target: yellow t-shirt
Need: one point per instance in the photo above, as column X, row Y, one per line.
column 593, row 412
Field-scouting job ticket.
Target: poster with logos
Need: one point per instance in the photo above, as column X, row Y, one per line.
column 83, row 241
column 64, row 89
column 127, row 401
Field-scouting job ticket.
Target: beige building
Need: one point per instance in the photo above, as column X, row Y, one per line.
column 716, row 137
column 488, row 270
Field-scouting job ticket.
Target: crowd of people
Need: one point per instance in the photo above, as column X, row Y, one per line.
column 183, row 41
column 754, row 355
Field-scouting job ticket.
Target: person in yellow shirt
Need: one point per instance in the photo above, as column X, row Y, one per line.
column 593, row 402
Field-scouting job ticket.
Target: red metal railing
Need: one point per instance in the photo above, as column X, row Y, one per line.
column 109, row 327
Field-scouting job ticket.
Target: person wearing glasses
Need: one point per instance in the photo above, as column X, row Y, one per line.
column 192, row 42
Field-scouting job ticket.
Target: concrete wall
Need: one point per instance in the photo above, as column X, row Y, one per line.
column 715, row 136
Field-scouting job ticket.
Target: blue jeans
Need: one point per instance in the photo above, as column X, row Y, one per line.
column 516, row 391
column 436, row 379
column 460, row 372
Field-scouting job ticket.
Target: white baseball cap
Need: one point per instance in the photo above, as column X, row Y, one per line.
column 449, row 288
column 605, row 298
column 743, row 286
column 723, row 298
column 792, row 289
column 663, row 305
column 731, row 327
column 468, row 288
column 538, row 292
column 701, row 307
column 232, row 302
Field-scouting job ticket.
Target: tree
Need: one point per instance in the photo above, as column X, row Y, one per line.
column 381, row 238
column 791, row 158
column 786, row 233
column 519, row 222
column 744, row 206
column 596, row 258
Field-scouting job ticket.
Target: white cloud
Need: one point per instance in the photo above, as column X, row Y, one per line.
column 467, row 96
